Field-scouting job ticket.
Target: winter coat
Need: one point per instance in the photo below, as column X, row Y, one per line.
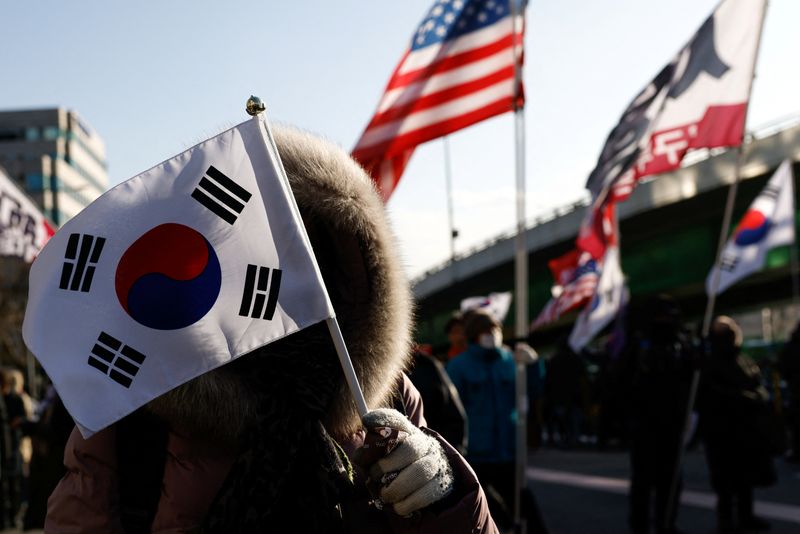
column 443, row 409
column 734, row 412
column 485, row 380
column 258, row 445
column 88, row 500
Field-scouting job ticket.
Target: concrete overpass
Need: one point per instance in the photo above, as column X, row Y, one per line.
column 669, row 228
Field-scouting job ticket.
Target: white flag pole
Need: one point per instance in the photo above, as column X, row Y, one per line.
column 254, row 108
column 347, row 366
column 712, row 298
column 520, row 268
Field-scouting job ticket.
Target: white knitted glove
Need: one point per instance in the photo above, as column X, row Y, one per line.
column 408, row 469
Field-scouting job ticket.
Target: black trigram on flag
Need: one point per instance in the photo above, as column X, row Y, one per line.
column 120, row 362
column 221, row 195
column 771, row 191
column 80, row 261
column 728, row 263
column 257, row 292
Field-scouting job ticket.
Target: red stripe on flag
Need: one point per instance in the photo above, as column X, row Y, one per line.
column 442, row 97
column 411, row 139
column 450, row 63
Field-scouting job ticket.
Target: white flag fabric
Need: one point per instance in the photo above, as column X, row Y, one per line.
column 609, row 297
column 23, row 228
column 496, row 304
column 171, row 274
column 698, row 100
column 768, row 223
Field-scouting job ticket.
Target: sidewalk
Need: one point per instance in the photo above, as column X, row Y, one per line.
column 586, row 492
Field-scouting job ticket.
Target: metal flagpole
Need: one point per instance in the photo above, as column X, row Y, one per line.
column 793, row 261
column 520, row 268
column 723, row 238
column 254, row 108
column 712, row 298
column 448, row 177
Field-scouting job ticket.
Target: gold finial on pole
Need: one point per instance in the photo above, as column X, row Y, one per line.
column 254, row 106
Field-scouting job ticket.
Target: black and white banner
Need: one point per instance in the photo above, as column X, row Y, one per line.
column 23, row 228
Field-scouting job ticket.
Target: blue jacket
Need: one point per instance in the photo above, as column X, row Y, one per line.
column 485, row 381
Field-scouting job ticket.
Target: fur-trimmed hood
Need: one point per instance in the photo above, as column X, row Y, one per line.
column 355, row 248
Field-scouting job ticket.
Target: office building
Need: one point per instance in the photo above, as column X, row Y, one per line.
column 56, row 157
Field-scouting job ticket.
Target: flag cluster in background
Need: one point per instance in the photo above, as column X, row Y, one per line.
column 698, row 100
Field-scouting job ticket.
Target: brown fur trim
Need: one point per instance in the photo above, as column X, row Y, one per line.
column 355, row 248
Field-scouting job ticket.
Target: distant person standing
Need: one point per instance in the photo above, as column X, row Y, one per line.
column 456, row 341
column 733, row 406
column 12, row 467
column 789, row 365
column 443, row 409
column 658, row 363
column 564, row 393
column 484, row 375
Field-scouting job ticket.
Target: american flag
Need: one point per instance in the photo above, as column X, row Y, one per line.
column 576, row 292
column 458, row 70
column 577, row 272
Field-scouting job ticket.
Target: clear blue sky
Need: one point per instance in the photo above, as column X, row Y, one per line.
column 155, row 77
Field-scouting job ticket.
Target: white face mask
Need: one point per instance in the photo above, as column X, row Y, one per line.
column 491, row 340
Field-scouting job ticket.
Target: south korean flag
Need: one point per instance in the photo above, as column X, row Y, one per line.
column 171, row 274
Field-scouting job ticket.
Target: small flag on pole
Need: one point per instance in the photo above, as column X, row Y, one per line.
column 458, row 70
column 496, row 304
column 24, row 230
column 768, row 223
column 609, row 297
column 171, row 274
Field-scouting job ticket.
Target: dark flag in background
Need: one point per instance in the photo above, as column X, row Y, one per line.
column 699, row 100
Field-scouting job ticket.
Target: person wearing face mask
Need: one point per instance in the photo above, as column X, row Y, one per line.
column 484, row 376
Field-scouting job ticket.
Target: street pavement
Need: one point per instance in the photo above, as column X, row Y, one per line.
column 585, row 492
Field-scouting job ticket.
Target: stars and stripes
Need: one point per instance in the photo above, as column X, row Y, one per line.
column 457, row 71
column 576, row 292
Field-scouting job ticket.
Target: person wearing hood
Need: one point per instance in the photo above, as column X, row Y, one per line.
column 484, row 375
column 733, row 406
column 272, row 442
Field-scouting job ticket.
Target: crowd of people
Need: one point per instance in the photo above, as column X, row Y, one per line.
column 632, row 396
column 33, row 433
column 273, row 442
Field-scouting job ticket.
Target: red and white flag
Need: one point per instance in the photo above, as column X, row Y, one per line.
column 457, row 71
column 24, row 229
column 698, row 100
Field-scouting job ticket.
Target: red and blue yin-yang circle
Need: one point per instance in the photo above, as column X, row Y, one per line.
column 168, row 278
column 752, row 229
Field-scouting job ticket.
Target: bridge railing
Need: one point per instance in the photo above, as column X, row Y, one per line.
column 691, row 158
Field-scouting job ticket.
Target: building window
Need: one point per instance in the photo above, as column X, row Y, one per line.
column 33, row 133
column 11, row 134
column 50, row 133
column 34, row 182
